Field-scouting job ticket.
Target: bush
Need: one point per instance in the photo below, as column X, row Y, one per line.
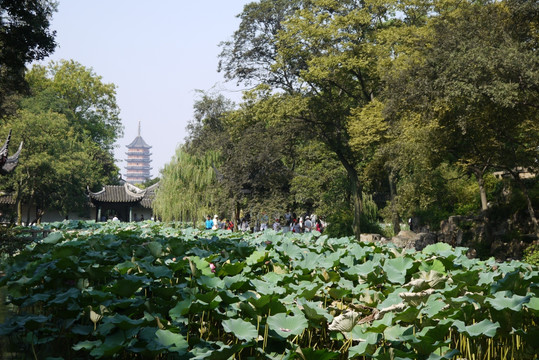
column 531, row 254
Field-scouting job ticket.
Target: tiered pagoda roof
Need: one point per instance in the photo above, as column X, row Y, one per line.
column 138, row 160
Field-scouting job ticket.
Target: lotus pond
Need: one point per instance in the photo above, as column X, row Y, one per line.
column 152, row 291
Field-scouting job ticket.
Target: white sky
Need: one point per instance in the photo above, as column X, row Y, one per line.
column 156, row 53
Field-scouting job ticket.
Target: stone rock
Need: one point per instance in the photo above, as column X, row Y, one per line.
column 411, row 240
column 370, row 238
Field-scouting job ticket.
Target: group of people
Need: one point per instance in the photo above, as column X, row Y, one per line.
column 218, row 223
column 289, row 222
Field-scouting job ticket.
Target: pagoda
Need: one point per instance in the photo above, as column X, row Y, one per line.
column 138, row 160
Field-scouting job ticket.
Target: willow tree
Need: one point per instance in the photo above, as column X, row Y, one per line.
column 186, row 190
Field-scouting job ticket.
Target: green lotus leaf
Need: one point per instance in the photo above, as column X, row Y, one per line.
column 256, row 257
column 122, row 321
column 174, row 342
column 211, row 282
column 487, row 277
column 305, row 289
column 157, row 272
column 267, row 288
column 201, row 265
column 434, row 265
column 180, row 310
column 363, row 348
column 234, row 282
column 359, row 333
column 53, row 238
column 533, row 303
column 504, row 300
column 231, row 269
column 86, row 345
column 311, row 261
column 126, row 287
column 63, row 297
column 314, row 311
column 312, row 354
column 484, row 327
column 440, row 248
column 113, row 344
column 156, row 248
column 378, row 326
column 396, row 269
column 449, row 354
column 286, row 325
column 398, row 333
column 243, row 330
column 433, row 305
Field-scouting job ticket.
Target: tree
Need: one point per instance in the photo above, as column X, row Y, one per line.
column 184, row 192
column 69, row 88
column 326, row 52
column 55, row 166
column 24, row 36
column 253, row 148
column 476, row 84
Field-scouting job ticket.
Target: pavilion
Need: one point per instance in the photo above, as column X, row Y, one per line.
column 127, row 202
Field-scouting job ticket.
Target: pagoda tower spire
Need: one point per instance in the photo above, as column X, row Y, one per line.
column 138, row 160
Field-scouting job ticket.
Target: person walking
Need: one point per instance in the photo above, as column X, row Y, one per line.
column 209, row 222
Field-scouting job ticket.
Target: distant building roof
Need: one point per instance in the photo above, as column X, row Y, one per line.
column 139, row 143
column 8, row 163
column 126, row 193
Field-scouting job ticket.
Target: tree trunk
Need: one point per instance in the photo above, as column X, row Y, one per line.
column 19, row 212
column 355, row 192
column 356, row 197
column 479, row 176
column 236, row 215
column 533, row 219
column 395, row 218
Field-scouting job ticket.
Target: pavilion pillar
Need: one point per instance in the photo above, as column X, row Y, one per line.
column 98, row 214
column 130, row 214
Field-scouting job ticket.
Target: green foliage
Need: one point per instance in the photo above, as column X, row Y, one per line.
column 77, row 92
column 339, row 223
column 531, row 254
column 149, row 290
column 25, row 35
column 185, row 190
column 55, row 157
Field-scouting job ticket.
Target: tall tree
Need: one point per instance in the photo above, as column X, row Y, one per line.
column 476, row 83
column 328, row 53
column 81, row 95
column 24, row 36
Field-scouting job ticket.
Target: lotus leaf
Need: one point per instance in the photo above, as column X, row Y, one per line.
column 484, row 327
column 396, row 269
column 398, row 333
column 504, row 300
column 243, row 330
column 174, row 342
column 285, row 325
column 53, row 238
column 87, row 345
column 312, row 354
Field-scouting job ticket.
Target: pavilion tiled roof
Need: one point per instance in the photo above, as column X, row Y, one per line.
column 7, row 199
column 118, row 193
column 126, row 193
column 149, row 196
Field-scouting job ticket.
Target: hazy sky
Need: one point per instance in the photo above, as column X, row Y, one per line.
column 156, row 53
